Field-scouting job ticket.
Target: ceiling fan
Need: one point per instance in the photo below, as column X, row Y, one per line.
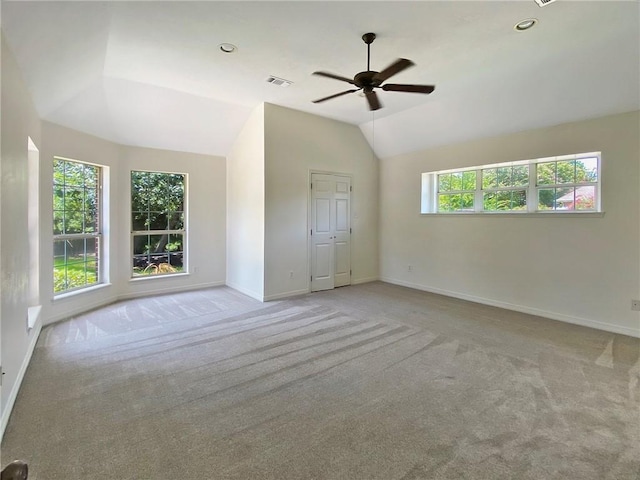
column 369, row 79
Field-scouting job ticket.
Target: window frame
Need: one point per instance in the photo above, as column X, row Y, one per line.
column 462, row 192
column 504, row 188
column 137, row 233
column 97, row 235
column 429, row 190
column 572, row 185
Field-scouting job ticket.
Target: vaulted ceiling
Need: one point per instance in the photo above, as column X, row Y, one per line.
column 151, row 73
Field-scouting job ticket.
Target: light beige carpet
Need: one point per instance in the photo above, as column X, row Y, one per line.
column 366, row 382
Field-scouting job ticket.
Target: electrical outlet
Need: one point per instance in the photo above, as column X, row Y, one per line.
column 410, row 268
column 291, row 274
column 635, row 305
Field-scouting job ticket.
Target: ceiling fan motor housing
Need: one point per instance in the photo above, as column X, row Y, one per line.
column 367, row 80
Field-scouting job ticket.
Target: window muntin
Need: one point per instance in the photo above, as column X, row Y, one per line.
column 76, row 225
column 456, row 191
column 505, row 188
column 569, row 183
column 158, row 227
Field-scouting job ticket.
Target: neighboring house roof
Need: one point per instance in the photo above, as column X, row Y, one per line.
column 581, row 194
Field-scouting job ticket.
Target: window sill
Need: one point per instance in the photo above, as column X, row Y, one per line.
column 75, row 293
column 33, row 315
column 516, row 214
column 155, row 277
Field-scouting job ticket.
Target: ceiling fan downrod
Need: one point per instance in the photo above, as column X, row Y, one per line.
column 368, row 38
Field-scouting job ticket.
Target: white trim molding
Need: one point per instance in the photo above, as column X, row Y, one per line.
column 607, row 327
column 13, row 395
column 358, row 281
column 279, row 296
column 163, row 291
column 245, row 291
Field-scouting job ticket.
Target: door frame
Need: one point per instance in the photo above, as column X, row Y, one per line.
column 309, row 207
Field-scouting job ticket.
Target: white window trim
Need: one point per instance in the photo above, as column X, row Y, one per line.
column 101, row 264
column 429, row 197
column 183, row 232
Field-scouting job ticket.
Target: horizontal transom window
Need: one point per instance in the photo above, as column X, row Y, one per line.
column 569, row 183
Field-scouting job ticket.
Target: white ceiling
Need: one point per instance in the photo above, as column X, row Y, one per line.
column 151, row 74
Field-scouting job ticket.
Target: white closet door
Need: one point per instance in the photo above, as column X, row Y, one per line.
column 330, row 231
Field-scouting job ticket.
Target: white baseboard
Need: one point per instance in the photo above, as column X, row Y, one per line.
column 292, row 293
column 13, row 395
column 295, row 293
column 247, row 292
column 607, row 327
column 77, row 310
column 33, row 314
column 358, row 281
column 169, row 289
column 86, row 307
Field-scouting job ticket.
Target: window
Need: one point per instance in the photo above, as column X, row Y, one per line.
column 505, row 188
column 552, row 185
column 33, row 221
column 77, row 230
column 456, row 191
column 158, row 222
column 567, row 184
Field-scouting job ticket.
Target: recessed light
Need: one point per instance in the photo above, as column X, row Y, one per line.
column 525, row 24
column 227, row 48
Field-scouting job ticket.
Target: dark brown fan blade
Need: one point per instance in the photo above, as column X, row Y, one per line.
column 400, row 87
column 395, row 67
column 336, row 95
column 335, row 77
column 372, row 98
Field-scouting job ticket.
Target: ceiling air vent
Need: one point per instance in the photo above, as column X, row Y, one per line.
column 278, row 82
column 542, row 3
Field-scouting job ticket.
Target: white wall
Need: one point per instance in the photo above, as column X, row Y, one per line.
column 205, row 221
column 19, row 121
column 245, row 208
column 580, row 269
column 58, row 141
column 297, row 143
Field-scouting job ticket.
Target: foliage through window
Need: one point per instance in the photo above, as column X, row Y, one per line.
column 158, row 222
column 567, row 184
column 561, row 184
column 505, row 188
column 456, row 191
column 76, row 225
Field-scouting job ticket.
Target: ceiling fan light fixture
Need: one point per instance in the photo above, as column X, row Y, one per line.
column 227, row 48
column 526, row 24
